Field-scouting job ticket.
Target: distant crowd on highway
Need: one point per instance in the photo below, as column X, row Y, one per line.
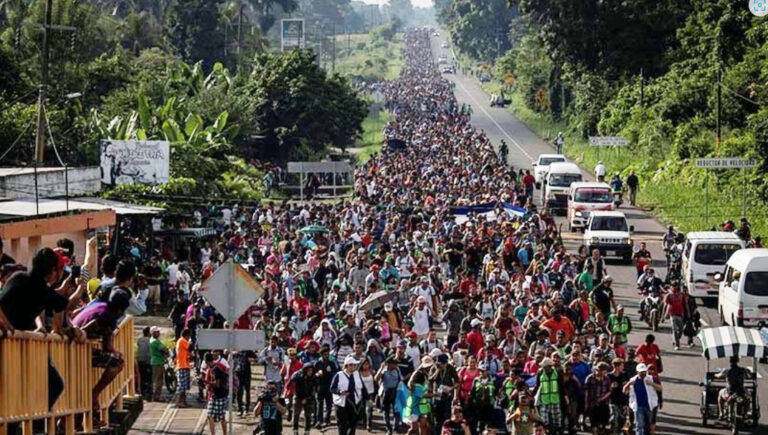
column 402, row 310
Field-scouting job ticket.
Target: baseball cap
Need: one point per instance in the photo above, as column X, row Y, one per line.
column 350, row 360
column 641, row 368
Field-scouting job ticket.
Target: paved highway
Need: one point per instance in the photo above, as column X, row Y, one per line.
column 683, row 369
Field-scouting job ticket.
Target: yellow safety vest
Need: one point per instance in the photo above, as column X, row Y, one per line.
column 549, row 393
column 620, row 327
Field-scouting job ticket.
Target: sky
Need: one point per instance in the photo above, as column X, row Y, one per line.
column 415, row 3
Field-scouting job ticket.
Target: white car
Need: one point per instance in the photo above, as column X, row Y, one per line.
column 609, row 232
column 705, row 254
column 444, row 44
column 448, row 69
column 442, row 60
column 541, row 165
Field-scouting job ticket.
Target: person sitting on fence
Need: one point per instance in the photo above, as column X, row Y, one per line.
column 99, row 320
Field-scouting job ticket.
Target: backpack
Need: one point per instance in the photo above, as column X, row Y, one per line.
column 481, row 395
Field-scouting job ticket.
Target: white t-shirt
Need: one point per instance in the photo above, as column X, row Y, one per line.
column 421, row 321
column 205, row 255
column 173, row 268
column 427, row 293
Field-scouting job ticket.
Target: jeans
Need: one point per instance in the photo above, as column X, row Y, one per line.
column 388, row 406
column 346, row 419
column 324, row 398
column 145, row 371
column 632, row 195
column 642, row 420
column 244, row 389
column 308, row 407
column 677, row 328
column 55, row 385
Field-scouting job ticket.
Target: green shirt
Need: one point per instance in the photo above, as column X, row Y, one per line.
column 157, row 352
column 586, row 279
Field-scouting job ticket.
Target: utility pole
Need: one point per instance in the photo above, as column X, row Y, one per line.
column 719, row 105
column 333, row 57
column 40, row 138
column 239, row 32
column 642, row 89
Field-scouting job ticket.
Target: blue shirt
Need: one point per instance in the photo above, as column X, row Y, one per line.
column 581, row 371
column 641, row 395
column 522, row 255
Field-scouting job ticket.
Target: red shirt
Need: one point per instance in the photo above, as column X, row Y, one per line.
column 648, row 354
column 675, row 302
column 475, row 340
column 528, row 181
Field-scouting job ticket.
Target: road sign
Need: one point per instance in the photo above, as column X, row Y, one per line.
column 725, row 163
column 608, row 141
column 292, row 33
column 242, row 339
column 231, row 290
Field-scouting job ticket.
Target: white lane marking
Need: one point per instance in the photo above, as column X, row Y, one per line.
column 703, row 322
column 494, row 121
column 161, row 423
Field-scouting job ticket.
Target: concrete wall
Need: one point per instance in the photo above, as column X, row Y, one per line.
column 51, row 182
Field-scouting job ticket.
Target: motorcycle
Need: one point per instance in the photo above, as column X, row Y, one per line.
column 169, row 373
column 653, row 308
column 737, row 412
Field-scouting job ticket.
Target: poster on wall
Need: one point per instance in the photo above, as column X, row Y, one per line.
column 292, row 33
column 134, row 161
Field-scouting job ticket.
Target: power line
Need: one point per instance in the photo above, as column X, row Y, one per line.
column 749, row 100
column 15, row 142
column 50, row 135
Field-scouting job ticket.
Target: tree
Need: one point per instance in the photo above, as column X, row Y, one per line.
column 194, row 30
column 299, row 109
column 479, row 28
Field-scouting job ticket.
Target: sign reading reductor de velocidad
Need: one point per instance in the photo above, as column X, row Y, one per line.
column 725, row 163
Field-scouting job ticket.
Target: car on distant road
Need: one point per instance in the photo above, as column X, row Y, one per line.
column 436, row 34
column 541, row 165
column 444, row 44
column 608, row 232
column 442, row 60
column 448, row 69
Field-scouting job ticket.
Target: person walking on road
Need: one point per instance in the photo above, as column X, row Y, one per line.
column 157, row 355
column 145, row 365
column 600, row 171
column 349, row 394
column 183, row 357
column 676, row 305
column 633, row 183
column 643, row 398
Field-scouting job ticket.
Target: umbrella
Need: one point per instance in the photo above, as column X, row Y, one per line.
column 314, row 229
column 375, row 300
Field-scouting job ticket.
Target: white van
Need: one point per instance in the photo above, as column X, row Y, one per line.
column 704, row 255
column 585, row 197
column 744, row 289
column 557, row 185
column 541, row 165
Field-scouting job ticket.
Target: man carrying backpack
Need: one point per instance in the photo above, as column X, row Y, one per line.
column 482, row 398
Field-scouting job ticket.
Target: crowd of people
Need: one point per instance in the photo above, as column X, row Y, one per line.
column 400, row 305
column 396, row 304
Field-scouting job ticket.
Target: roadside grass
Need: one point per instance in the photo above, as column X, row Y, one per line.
column 373, row 136
column 359, row 56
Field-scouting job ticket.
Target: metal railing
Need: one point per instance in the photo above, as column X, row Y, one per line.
column 24, row 360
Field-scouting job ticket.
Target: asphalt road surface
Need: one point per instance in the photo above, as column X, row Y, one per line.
column 683, row 369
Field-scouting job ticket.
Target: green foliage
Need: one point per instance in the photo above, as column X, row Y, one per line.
column 193, row 29
column 479, row 29
column 578, row 70
column 301, row 109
